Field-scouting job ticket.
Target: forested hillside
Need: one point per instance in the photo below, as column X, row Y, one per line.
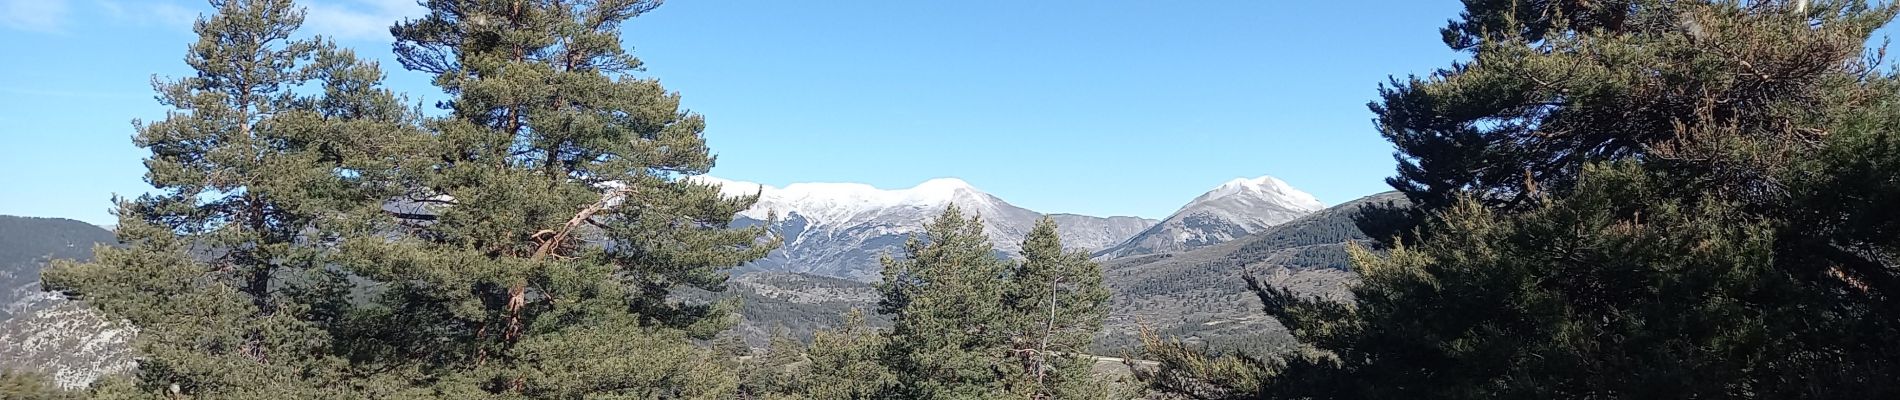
column 794, row 304
column 1200, row 296
column 27, row 244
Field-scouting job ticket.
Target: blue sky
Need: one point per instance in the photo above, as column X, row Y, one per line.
column 1092, row 107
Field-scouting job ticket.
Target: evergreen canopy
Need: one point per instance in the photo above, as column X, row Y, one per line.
column 1621, row 199
column 315, row 238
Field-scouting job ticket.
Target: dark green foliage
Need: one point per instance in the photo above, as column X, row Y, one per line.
column 1715, row 87
column 777, row 371
column 27, row 386
column 840, row 363
column 1058, row 302
column 218, row 273
column 1647, row 199
column 311, row 239
column 1673, row 305
column 949, row 335
column 1532, row 20
column 549, row 138
column 966, row 325
column 845, row 363
column 800, row 322
column 19, row 386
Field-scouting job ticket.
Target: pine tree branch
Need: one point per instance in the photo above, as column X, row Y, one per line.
column 551, row 240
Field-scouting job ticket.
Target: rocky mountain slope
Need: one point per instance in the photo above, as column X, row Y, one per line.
column 1089, row 233
column 797, row 304
column 1198, row 295
column 41, row 331
column 842, row 229
column 1232, row 210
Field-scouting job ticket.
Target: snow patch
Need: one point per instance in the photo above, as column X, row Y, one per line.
column 828, row 203
column 1266, row 188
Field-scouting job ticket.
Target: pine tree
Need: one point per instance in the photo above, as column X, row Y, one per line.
column 1638, row 199
column 548, row 219
column 1058, row 303
column 846, row 362
column 779, row 371
column 318, row 245
column 842, row 362
column 949, row 338
column 223, row 271
column 971, row 325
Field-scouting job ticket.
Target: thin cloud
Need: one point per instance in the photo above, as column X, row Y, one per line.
column 358, row 19
column 33, row 15
column 346, row 20
column 149, row 13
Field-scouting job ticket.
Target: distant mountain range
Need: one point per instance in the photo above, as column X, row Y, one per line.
column 842, row 229
column 1195, row 295
column 1180, row 275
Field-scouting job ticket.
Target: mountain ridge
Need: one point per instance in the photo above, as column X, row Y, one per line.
column 1234, row 209
column 842, row 229
column 1199, row 294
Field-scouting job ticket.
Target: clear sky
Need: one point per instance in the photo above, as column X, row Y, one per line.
column 1091, row 107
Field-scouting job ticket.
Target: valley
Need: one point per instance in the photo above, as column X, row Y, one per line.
column 1179, row 276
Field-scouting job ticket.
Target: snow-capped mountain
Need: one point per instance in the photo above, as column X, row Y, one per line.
column 1234, row 209
column 842, row 229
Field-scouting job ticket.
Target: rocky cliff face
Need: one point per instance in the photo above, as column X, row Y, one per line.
column 64, row 340
column 1095, row 233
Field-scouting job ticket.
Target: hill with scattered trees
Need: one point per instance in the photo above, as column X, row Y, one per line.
column 1200, row 295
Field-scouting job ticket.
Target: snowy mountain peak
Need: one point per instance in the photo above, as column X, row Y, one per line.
column 1268, row 188
column 943, row 185
column 941, row 191
column 824, row 203
column 843, row 229
column 1262, row 183
column 729, row 188
column 1236, row 208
